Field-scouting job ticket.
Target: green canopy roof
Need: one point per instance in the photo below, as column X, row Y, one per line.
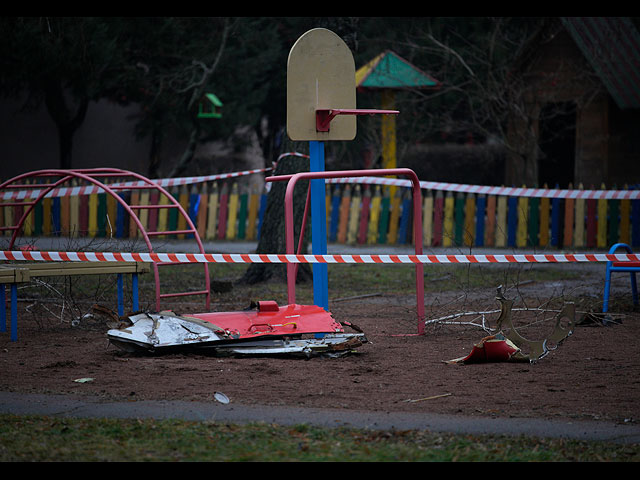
column 389, row 70
column 209, row 106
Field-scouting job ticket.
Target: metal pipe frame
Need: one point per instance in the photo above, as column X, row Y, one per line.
column 88, row 175
column 417, row 222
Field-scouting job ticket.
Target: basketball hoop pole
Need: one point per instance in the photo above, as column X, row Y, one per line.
column 321, row 85
column 318, row 206
column 318, row 225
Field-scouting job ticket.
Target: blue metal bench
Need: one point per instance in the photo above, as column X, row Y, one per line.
column 12, row 274
column 630, row 267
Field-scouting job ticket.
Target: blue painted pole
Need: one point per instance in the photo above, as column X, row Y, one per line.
column 134, row 284
column 635, row 223
column 480, row 210
column 120, row 296
column 555, row 221
column 403, row 232
column 318, row 226
column 194, row 206
column 263, row 208
column 512, row 220
column 55, row 216
column 14, row 312
column 3, row 311
column 335, row 215
column 120, row 214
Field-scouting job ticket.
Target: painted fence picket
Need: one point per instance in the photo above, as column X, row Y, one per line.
column 356, row 214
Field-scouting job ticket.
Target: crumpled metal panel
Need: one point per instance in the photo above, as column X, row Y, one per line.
column 268, row 320
column 332, row 343
column 267, row 330
column 157, row 330
column 494, row 348
column 507, row 345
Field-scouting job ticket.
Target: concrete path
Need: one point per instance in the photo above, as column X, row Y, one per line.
column 88, row 407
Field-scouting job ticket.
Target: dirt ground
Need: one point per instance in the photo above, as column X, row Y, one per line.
column 593, row 375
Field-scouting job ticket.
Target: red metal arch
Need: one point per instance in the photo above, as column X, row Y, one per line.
column 92, row 176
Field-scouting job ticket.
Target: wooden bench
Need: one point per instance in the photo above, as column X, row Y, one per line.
column 631, row 267
column 15, row 273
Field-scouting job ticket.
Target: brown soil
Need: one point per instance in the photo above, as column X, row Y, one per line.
column 593, row 375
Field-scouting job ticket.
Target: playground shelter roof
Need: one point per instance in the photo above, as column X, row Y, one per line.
column 389, row 70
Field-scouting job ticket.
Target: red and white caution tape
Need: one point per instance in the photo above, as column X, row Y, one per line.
column 425, row 185
column 502, row 191
column 91, row 189
column 163, row 182
column 51, row 256
column 292, row 154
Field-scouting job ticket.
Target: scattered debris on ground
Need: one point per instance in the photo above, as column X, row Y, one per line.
column 508, row 345
column 264, row 329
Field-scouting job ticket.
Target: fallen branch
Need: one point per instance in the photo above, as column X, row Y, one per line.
column 428, row 398
column 446, row 320
column 357, row 296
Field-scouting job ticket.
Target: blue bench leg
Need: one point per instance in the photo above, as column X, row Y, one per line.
column 134, row 288
column 3, row 312
column 134, row 292
column 120, row 296
column 14, row 312
column 607, row 286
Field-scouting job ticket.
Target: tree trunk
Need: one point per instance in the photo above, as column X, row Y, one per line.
column 67, row 122
column 154, row 154
column 272, row 234
column 188, row 153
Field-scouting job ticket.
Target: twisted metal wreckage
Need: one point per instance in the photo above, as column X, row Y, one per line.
column 264, row 329
column 507, row 345
column 267, row 328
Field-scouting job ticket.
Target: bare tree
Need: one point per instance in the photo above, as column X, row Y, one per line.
column 496, row 80
column 194, row 79
column 272, row 235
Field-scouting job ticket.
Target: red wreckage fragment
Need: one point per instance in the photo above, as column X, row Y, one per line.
column 264, row 329
column 494, row 348
column 507, row 345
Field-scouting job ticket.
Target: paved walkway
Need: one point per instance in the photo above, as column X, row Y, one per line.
column 88, row 407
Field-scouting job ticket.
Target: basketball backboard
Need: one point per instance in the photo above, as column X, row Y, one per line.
column 321, row 75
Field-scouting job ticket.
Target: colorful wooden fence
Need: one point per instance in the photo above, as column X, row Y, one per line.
column 356, row 214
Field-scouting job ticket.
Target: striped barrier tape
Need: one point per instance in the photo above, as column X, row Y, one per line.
column 425, row 185
column 90, row 189
column 163, row 182
column 502, row 191
column 51, row 256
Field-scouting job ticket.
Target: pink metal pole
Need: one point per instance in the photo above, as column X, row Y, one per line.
column 304, row 225
column 417, row 222
column 87, row 175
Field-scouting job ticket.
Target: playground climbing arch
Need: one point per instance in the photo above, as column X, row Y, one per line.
column 33, row 187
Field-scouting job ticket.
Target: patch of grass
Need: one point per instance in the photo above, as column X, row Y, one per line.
column 44, row 439
column 345, row 280
column 348, row 280
column 397, row 278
